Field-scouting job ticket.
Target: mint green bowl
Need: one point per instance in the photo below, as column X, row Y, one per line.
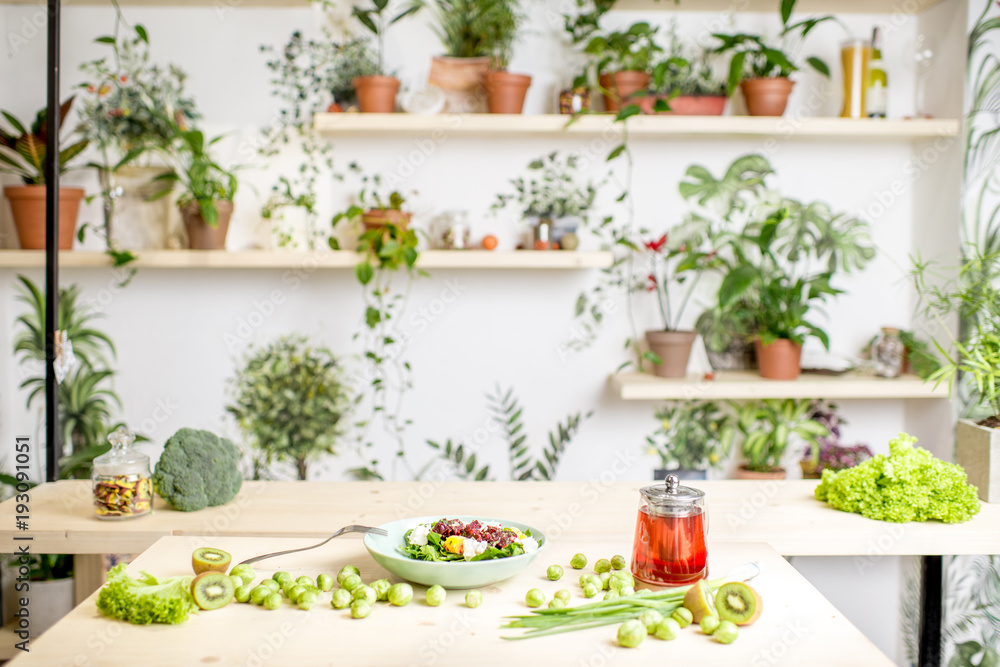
column 456, row 574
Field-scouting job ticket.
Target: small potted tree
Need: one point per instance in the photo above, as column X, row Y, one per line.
column 377, row 92
column 207, row 190
column 375, row 207
column 973, row 358
column 628, row 55
column 22, row 153
column 693, row 436
column 290, row 400
column 766, row 427
column 505, row 92
column 762, row 69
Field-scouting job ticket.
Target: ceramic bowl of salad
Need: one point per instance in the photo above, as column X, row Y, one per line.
column 456, row 551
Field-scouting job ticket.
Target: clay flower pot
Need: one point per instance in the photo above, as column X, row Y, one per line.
column 674, row 349
column 781, row 360
column 375, row 218
column 376, row 94
column 743, row 473
column 200, row 235
column 630, row 82
column 461, row 79
column 607, row 83
column 27, row 203
column 685, row 105
column 767, row 97
column 505, row 92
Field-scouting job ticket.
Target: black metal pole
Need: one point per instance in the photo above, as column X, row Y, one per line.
column 52, row 444
column 931, row 610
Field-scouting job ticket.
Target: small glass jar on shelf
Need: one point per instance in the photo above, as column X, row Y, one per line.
column 121, row 481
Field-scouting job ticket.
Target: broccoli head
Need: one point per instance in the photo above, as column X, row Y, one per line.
column 198, row 469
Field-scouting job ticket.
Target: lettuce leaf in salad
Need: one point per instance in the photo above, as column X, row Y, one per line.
column 434, row 550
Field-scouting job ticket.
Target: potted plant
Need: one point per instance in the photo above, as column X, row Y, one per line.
column 826, row 451
column 375, row 208
column 22, row 153
column 505, row 92
column 377, row 92
column 129, row 109
column 762, row 69
column 348, row 61
column 973, row 358
column 685, row 83
column 207, row 190
column 553, row 193
column 629, row 55
column 469, row 30
column 726, row 334
column 766, row 427
column 693, row 436
column 580, row 23
column 290, row 400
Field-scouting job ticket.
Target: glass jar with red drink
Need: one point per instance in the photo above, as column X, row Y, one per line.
column 669, row 546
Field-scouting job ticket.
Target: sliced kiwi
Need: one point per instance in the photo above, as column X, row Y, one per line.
column 208, row 559
column 212, row 590
column 738, row 602
column 699, row 601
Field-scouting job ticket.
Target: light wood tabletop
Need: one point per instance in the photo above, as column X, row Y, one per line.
column 798, row 626
column 784, row 515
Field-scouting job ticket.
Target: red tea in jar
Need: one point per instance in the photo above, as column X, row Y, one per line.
column 669, row 546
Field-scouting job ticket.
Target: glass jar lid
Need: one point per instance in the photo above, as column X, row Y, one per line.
column 122, row 459
column 670, row 497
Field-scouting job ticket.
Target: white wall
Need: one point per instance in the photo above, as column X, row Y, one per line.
column 505, row 327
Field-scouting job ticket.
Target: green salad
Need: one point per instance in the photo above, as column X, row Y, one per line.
column 454, row 540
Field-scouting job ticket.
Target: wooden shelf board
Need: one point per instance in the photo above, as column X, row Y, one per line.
column 768, row 6
column 743, row 385
column 222, row 259
column 439, row 127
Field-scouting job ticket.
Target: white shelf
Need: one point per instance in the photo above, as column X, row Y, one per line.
column 744, row 385
column 394, row 125
column 222, row 259
column 769, row 6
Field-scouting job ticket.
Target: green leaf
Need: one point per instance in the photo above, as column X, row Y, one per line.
column 819, row 66
column 735, row 284
column 786, row 10
column 105, row 40
column 616, row 151
column 627, row 112
column 141, row 31
column 364, row 272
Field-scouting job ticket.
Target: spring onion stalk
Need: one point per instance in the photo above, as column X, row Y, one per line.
column 544, row 622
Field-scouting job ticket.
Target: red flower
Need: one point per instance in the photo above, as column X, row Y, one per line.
column 651, row 286
column 123, row 78
column 656, row 245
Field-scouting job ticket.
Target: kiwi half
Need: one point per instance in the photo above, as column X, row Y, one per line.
column 208, row 559
column 738, row 602
column 212, row 590
column 699, row 601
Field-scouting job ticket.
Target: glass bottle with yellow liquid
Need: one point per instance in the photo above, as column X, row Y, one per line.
column 855, row 56
column 877, row 93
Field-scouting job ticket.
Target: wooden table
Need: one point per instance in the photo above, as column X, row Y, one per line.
column 783, row 515
column 798, row 625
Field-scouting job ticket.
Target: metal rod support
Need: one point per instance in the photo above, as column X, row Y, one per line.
column 52, row 435
column 931, row 610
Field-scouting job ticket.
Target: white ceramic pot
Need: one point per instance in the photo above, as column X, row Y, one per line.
column 978, row 451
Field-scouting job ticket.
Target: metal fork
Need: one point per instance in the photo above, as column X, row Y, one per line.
column 345, row 529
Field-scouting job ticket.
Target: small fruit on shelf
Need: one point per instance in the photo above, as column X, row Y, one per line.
column 555, row 572
column 569, row 241
column 534, row 598
column 473, row 599
column 726, row 633
column 631, row 633
column 700, row 601
column 489, row 242
column 208, row 559
column 212, row 590
column 668, row 629
column 738, row 603
column 542, row 245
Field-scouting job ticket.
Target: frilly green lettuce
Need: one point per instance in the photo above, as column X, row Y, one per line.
column 909, row 484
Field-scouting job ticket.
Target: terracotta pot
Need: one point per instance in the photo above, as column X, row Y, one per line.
column 375, row 218
column 505, row 92
column 685, row 105
column 977, row 449
column 743, row 473
column 376, row 94
column 781, row 360
column 607, row 83
column 27, row 203
column 767, row 97
column 461, row 79
column 200, row 235
column 630, row 82
column 674, row 349
column 683, row 474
